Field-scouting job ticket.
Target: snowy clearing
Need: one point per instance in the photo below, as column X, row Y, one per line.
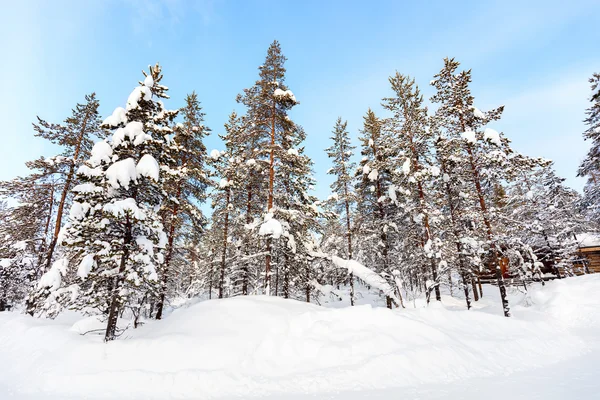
column 265, row 347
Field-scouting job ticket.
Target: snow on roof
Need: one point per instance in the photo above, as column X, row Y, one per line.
column 588, row 239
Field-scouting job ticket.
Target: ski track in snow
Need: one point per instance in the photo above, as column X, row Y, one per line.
column 271, row 348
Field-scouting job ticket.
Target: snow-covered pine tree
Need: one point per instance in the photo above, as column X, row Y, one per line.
column 374, row 220
column 460, row 119
column 466, row 257
column 590, row 166
column 414, row 163
column 115, row 231
column 29, row 220
column 343, row 195
column 298, row 212
column 227, row 168
column 277, row 139
column 543, row 213
column 185, row 183
column 487, row 158
column 24, row 232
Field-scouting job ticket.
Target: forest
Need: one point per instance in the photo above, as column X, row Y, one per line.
column 135, row 215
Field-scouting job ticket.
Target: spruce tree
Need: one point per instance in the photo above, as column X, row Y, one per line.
column 343, row 195
column 116, row 233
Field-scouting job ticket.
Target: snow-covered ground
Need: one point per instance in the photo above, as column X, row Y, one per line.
column 271, row 348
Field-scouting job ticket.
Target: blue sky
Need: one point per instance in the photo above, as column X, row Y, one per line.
column 532, row 56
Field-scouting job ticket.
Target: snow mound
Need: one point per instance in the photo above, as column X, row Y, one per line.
column 257, row 346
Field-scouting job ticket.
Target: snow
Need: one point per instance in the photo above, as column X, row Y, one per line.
column 367, row 275
column 148, row 81
column 285, row 94
column 134, row 130
column 366, row 169
column 292, row 152
column 392, row 193
column 469, row 136
column 120, row 208
column 271, row 227
column 78, row 210
column 477, row 113
column 148, row 167
column 118, row 117
column 53, row 277
column 273, row 348
column 588, row 239
column 215, row 154
column 223, row 183
column 89, row 172
column 492, row 135
column 122, row 173
column 136, row 95
column 406, row 166
column 101, row 152
column 85, row 266
column 373, row 175
column 86, row 188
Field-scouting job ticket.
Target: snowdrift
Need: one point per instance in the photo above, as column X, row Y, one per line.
column 259, row 346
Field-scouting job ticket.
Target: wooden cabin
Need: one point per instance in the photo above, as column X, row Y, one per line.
column 588, row 261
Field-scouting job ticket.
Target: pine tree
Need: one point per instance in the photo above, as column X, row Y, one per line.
column 75, row 137
column 276, row 137
column 544, row 215
column 412, row 145
column 343, row 195
column 485, row 156
column 590, row 165
column 185, row 182
column 375, row 215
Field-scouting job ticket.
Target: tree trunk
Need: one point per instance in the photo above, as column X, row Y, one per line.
column 115, row 302
column 465, row 283
column 489, row 232
column 270, row 199
column 224, row 253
